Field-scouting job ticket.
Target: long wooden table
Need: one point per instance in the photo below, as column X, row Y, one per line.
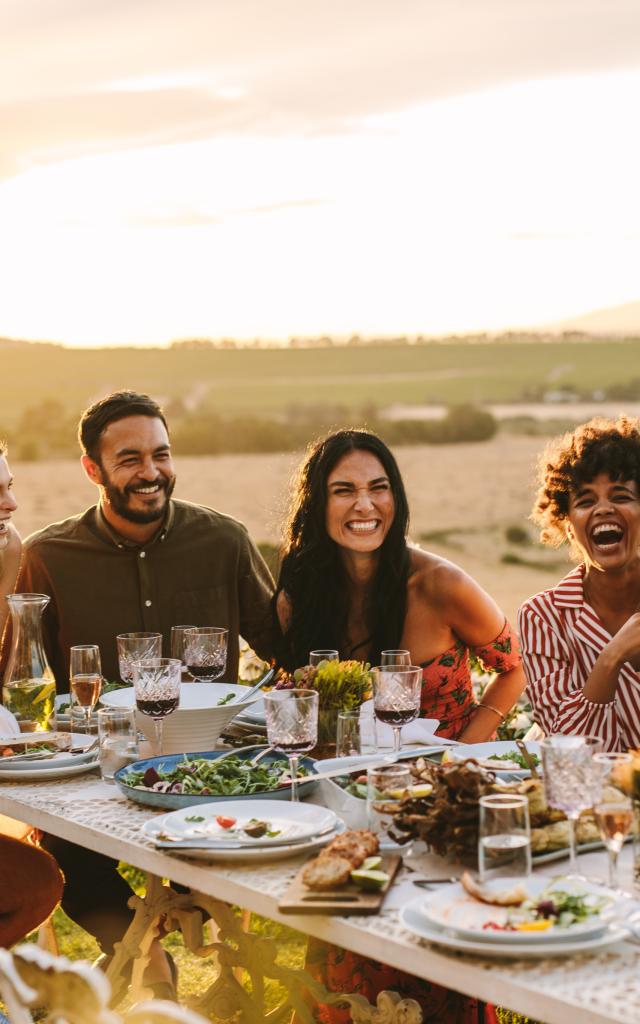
column 594, row 989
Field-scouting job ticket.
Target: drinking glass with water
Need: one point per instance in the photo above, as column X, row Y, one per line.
column 504, row 842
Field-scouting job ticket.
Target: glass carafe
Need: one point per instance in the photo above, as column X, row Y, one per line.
column 29, row 686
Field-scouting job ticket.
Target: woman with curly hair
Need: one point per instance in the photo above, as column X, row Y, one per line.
column 350, row 581
column 581, row 639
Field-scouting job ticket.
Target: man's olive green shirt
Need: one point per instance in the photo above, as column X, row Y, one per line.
column 200, row 569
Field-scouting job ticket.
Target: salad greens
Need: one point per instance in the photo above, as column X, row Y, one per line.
column 199, row 776
column 557, row 907
column 516, row 758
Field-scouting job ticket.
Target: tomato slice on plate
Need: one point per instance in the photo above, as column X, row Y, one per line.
column 225, row 822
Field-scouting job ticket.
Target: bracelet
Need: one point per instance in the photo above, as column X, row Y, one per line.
column 490, row 707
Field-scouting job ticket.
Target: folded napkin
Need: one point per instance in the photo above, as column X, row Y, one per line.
column 421, row 730
column 8, row 723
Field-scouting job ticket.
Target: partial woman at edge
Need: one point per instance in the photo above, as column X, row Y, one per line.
column 581, row 639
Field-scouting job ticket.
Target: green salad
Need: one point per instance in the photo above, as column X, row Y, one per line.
column 513, row 757
column 199, row 776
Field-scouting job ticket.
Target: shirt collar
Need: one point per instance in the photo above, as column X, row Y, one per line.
column 129, row 545
column 569, row 593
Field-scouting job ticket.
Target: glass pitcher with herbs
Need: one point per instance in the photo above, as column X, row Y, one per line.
column 29, row 686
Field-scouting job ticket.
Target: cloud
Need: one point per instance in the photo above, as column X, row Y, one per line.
column 78, row 77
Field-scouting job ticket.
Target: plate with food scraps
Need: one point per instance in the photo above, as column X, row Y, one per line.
column 155, row 780
column 525, row 910
column 502, row 756
column 414, row 921
column 249, row 822
column 48, row 751
column 209, row 851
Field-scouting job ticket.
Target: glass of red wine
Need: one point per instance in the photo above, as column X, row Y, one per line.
column 396, row 697
column 292, row 725
column 156, row 682
column 205, row 652
column 85, row 679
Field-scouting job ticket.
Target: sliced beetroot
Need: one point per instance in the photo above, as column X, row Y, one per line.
column 151, row 777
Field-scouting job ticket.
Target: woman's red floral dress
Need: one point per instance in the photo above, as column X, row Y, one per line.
column 447, row 694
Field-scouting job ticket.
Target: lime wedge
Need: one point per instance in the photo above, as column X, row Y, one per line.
column 369, row 880
column 371, row 863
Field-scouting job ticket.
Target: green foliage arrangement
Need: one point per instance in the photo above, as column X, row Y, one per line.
column 341, row 685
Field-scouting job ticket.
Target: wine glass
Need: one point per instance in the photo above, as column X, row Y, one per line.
column 292, row 725
column 316, row 657
column 85, row 679
column 156, row 682
column 396, row 697
column 572, row 781
column 133, row 647
column 400, row 657
column 177, row 647
column 205, row 652
column 614, row 814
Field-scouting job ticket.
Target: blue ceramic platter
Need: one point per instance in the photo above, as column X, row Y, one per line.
column 174, row 801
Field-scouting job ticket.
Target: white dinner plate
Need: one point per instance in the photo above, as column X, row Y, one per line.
column 453, row 909
column 414, row 921
column 39, row 774
column 483, row 752
column 293, row 822
column 254, row 714
column 153, row 827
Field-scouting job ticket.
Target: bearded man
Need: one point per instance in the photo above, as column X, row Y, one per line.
column 140, row 560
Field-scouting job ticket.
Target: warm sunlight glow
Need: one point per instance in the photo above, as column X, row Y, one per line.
column 508, row 207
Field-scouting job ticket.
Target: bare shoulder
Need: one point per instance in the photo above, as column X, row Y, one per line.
column 284, row 610
column 433, row 578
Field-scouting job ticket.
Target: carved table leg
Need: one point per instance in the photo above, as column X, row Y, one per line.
column 235, row 950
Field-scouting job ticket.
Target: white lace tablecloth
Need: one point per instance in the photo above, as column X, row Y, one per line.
column 581, row 989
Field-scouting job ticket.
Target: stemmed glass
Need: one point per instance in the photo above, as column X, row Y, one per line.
column 156, row 682
column 292, row 725
column 133, row 647
column 85, row 678
column 396, row 697
column 177, row 647
column 572, row 780
column 316, row 657
column 205, row 652
column 614, row 816
column 388, row 658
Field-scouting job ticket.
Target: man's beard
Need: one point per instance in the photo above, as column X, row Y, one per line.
column 119, row 499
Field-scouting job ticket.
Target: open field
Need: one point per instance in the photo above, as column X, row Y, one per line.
column 462, row 497
column 269, row 381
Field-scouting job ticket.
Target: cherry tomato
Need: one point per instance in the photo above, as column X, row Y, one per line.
column 225, row 822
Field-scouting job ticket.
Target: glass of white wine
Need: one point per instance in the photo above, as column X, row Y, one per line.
column 85, row 679
column 613, row 813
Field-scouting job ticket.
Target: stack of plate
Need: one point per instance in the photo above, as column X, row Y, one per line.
column 49, row 767
column 216, row 831
column 452, row 918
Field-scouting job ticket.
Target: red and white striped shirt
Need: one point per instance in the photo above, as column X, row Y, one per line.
column 561, row 637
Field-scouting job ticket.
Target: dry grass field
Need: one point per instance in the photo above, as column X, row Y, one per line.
column 462, row 499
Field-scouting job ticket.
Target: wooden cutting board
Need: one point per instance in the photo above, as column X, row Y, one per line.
column 348, row 899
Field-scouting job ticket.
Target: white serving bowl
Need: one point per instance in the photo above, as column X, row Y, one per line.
column 197, row 723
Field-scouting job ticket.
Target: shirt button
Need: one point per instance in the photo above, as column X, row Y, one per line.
column 143, row 554
column 148, row 604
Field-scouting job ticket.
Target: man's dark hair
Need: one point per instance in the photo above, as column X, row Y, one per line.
column 312, row 573
column 116, row 406
column 599, row 446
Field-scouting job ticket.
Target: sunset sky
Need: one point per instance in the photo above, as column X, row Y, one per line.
column 270, row 168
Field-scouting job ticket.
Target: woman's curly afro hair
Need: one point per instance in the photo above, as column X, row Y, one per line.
column 568, row 462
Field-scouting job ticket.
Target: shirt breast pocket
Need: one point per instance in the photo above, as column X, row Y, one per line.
column 206, row 606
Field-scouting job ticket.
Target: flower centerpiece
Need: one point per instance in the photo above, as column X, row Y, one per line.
column 341, row 686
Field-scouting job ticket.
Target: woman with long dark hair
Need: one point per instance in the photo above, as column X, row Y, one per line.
column 350, row 581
